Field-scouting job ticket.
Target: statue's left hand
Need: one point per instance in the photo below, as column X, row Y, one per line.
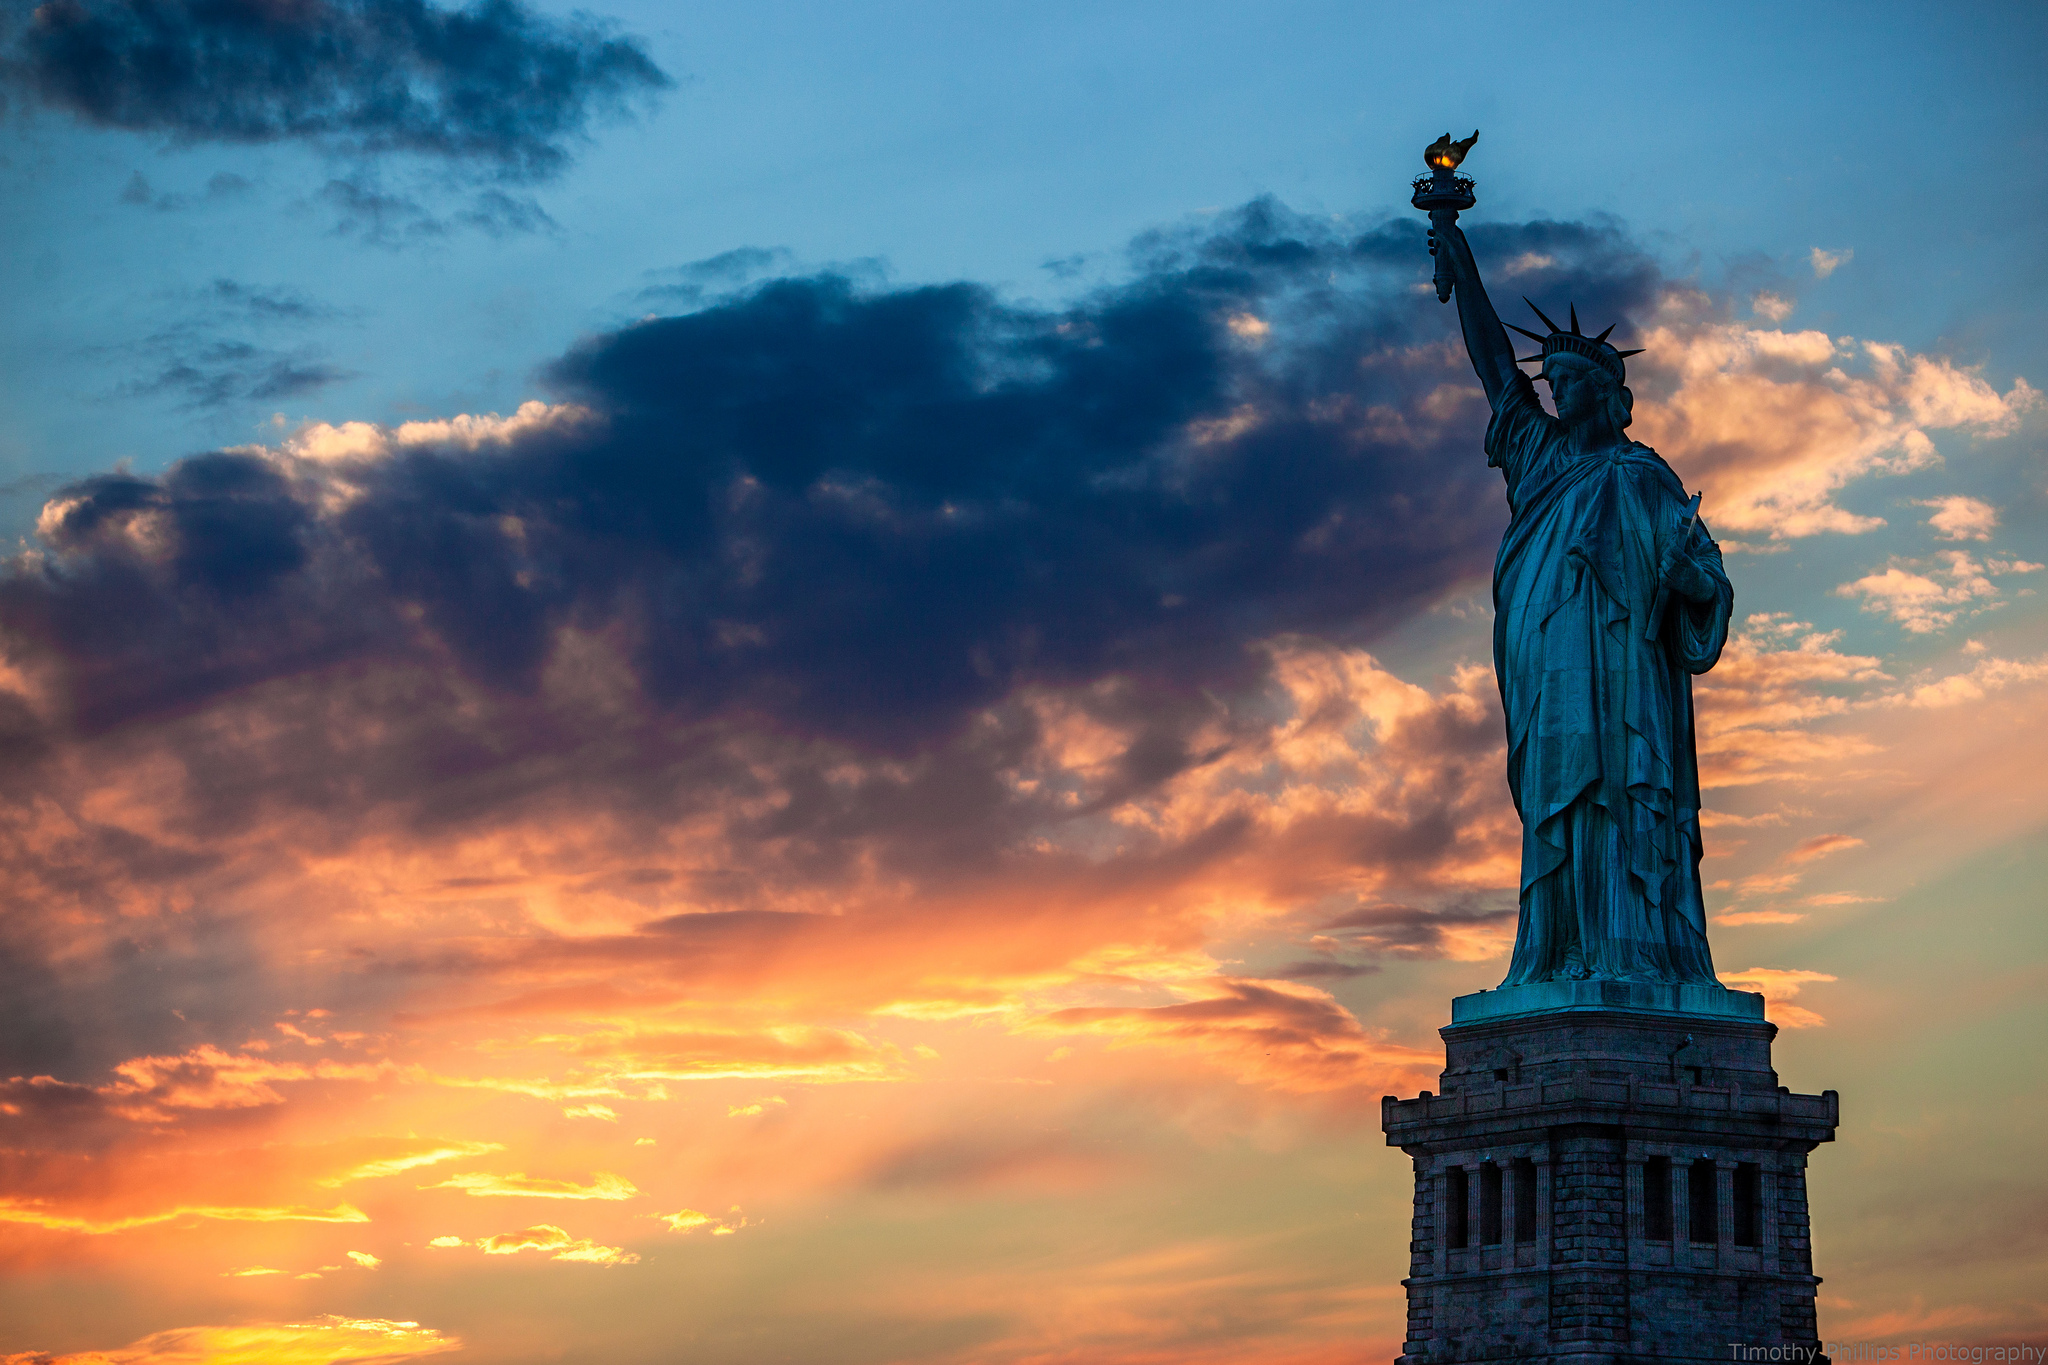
column 1687, row 578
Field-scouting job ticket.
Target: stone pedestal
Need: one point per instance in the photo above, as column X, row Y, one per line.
column 1611, row 1174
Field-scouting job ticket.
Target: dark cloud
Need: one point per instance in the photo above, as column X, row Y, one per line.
column 1412, row 931
column 217, row 373
column 494, row 85
column 35, row 1038
column 268, row 305
column 1294, row 1039
column 209, row 359
column 1252, row 1005
column 141, row 193
column 858, row 515
column 691, row 285
column 365, row 210
column 503, row 215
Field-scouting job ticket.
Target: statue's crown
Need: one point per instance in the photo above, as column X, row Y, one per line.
column 1576, row 343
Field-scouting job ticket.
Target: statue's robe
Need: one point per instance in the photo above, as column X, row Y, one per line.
column 1601, row 757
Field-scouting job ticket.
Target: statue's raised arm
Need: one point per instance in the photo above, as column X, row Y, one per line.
column 1441, row 194
column 1486, row 339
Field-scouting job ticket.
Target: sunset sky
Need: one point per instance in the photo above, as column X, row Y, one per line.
column 811, row 683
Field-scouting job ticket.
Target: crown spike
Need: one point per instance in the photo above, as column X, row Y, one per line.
column 1603, row 336
column 1575, row 320
column 1536, row 337
column 1540, row 313
column 1528, row 360
column 1626, row 354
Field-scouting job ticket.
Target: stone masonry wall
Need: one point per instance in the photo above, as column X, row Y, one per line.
column 1589, row 1237
column 1797, row 1319
column 1422, row 1255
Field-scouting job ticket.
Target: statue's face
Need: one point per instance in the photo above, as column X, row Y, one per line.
column 1577, row 388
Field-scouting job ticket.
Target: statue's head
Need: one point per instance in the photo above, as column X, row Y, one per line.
column 1579, row 388
column 1586, row 375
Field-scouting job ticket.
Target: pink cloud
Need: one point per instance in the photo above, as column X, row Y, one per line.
column 1826, row 263
column 1821, row 845
column 1773, row 425
column 1921, row 603
column 1761, row 706
column 1961, row 518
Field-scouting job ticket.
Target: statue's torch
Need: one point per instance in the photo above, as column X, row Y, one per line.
column 1441, row 194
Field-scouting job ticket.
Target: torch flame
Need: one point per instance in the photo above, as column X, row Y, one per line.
column 1444, row 154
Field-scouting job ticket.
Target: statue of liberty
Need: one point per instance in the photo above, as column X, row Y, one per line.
column 1608, row 596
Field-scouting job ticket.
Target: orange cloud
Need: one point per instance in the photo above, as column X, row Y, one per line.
column 604, row 1185
column 787, row 1052
column 1758, row 917
column 591, row 1253
column 210, row 1078
column 19, row 1211
column 689, row 1220
column 323, row 1341
column 447, row 1151
column 1778, row 986
column 536, row 1089
column 1275, row 1033
column 547, row 1237
column 1915, row 1319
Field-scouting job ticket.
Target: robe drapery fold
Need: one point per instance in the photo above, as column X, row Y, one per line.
column 1601, row 757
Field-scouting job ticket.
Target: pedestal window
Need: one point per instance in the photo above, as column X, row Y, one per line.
column 1705, row 1220
column 1749, row 1205
column 1525, row 1200
column 1657, row 1199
